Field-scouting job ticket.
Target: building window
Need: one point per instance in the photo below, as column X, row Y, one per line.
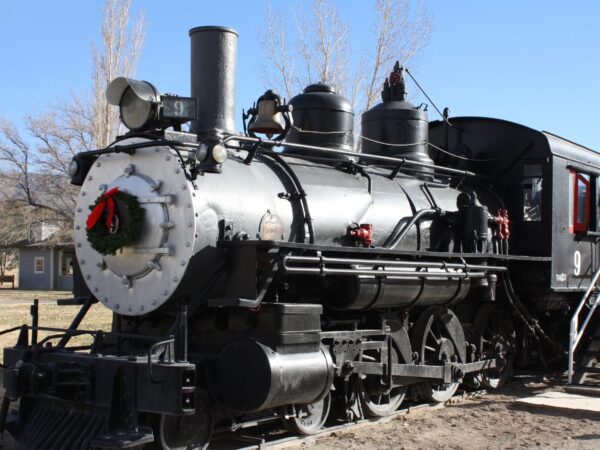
column 532, row 192
column 66, row 264
column 38, row 264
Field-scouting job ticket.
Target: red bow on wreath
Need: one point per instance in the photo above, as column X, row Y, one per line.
column 106, row 202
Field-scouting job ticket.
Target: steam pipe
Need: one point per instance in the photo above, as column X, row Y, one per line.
column 230, row 140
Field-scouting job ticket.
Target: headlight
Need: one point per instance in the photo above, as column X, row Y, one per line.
column 143, row 108
column 137, row 101
column 135, row 111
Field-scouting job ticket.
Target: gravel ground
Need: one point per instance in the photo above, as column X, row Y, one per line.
column 490, row 421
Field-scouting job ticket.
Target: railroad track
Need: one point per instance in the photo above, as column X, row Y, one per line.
column 263, row 439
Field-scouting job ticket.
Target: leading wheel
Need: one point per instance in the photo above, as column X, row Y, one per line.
column 438, row 337
column 495, row 336
column 178, row 432
column 308, row 419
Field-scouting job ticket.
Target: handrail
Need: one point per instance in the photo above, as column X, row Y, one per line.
column 575, row 335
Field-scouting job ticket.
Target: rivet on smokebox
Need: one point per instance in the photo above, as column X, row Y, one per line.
column 128, row 170
column 182, row 263
column 175, row 279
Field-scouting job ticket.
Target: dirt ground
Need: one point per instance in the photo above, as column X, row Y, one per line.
column 490, row 421
column 15, row 310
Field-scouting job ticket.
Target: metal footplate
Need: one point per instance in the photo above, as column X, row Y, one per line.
column 124, row 439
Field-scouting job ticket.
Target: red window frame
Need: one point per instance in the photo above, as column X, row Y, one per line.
column 581, row 227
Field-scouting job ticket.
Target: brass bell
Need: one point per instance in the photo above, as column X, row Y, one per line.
column 268, row 119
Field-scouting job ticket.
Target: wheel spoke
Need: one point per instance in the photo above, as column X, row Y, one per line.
column 432, row 334
column 438, row 331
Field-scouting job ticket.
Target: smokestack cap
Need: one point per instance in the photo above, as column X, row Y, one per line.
column 213, row 28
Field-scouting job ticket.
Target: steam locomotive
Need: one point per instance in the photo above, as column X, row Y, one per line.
column 278, row 274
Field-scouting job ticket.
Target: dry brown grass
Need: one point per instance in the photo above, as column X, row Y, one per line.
column 15, row 310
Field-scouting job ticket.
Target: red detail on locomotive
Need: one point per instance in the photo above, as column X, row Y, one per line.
column 107, row 202
column 503, row 222
column 362, row 233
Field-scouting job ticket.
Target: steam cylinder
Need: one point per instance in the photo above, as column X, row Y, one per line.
column 253, row 377
column 213, row 75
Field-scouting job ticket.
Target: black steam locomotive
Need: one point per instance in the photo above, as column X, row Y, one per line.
column 279, row 274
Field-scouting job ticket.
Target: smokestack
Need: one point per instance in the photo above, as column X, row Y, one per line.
column 214, row 59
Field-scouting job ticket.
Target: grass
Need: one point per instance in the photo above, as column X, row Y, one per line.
column 15, row 310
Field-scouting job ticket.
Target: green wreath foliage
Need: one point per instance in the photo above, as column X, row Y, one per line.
column 108, row 243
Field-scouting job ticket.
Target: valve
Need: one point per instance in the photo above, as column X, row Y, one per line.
column 362, row 234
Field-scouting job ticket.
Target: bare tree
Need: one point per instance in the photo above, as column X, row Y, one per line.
column 320, row 49
column 13, row 228
column 35, row 163
column 400, row 34
column 118, row 56
column 318, row 52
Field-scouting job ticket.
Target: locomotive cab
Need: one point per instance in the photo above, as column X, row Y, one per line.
column 550, row 187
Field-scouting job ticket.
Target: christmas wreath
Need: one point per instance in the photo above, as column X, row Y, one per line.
column 115, row 221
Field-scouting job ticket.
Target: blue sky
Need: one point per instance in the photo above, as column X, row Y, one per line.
column 534, row 62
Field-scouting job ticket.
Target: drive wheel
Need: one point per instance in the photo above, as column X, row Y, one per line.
column 308, row 419
column 376, row 397
column 495, row 337
column 438, row 337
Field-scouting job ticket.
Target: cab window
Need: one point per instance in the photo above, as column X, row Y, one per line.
column 532, row 192
column 580, row 193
